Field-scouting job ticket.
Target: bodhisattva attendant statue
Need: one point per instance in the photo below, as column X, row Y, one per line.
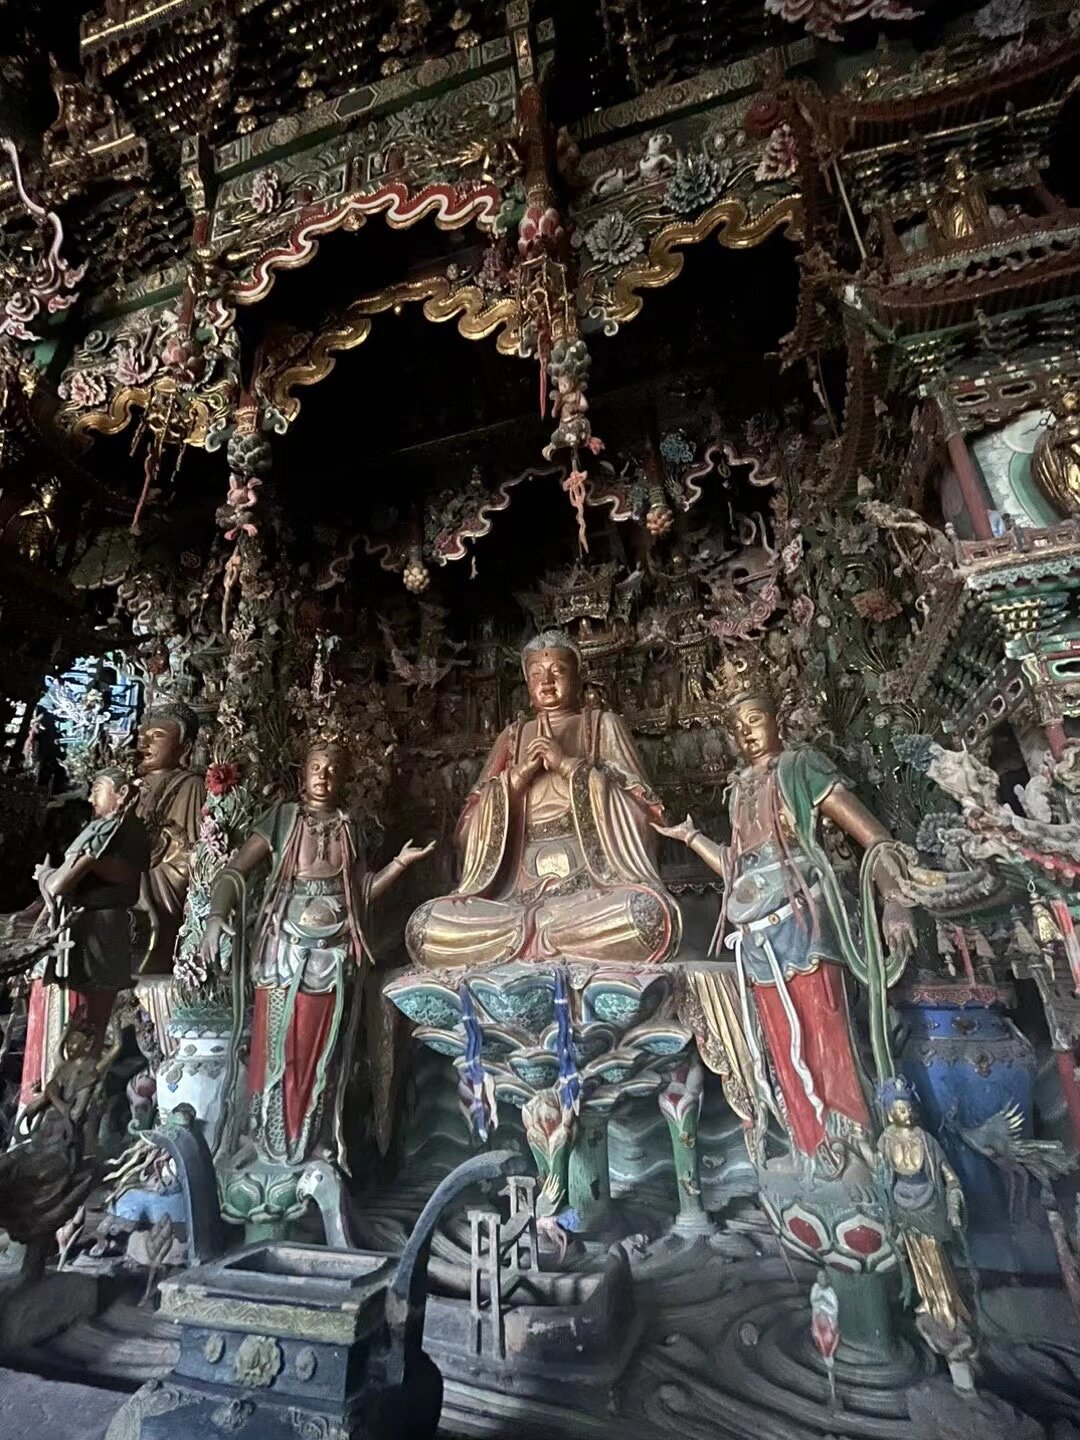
column 556, row 841
column 790, row 925
column 89, row 900
column 308, row 941
column 169, row 804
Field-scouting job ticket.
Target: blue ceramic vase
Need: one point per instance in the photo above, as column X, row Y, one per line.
column 968, row 1062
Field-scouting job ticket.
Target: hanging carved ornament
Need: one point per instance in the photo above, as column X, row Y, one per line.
column 50, row 283
column 415, row 575
column 405, row 36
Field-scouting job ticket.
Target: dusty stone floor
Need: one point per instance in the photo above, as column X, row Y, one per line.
column 40, row 1409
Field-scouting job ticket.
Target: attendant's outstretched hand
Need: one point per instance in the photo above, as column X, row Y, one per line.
column 683, row 832
column 410, row 853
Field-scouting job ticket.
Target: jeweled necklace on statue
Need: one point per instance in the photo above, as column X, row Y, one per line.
column 323, row 828
column 753, row 787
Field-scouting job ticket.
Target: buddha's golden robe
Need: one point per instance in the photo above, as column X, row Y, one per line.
column 566, row 870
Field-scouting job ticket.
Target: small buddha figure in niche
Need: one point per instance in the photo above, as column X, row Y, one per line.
column 556, row 841
column 1055, row 464
column 962, row 212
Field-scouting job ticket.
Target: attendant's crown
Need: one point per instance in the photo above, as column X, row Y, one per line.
column 332, row 728
column 897, row 1087
column 743, row 674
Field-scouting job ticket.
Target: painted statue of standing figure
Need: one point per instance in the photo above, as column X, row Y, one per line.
column 170, row 799
column 927, row 1206
column 308, row 941
column 791, row 927
column 90, row 899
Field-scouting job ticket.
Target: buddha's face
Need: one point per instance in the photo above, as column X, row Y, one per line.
column 325, row 772
column 756, row 731
column 901, row 1112
column 956, row 166
column 161, row 745
column 553, row 679
column 105, row 798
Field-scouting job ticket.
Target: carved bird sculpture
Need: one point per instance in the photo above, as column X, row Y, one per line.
column 1022, row 1159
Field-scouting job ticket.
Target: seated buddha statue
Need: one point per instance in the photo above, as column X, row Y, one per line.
column 960, row 212
column 1056, row 461
column 556, row 840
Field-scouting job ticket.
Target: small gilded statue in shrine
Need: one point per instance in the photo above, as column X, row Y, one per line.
column 791, row 926
column 34, row 530
column 960, row 212
column 308, row 941
column 556, row 840
column 169, row 802
column 927, row 1206
column 1055, row 464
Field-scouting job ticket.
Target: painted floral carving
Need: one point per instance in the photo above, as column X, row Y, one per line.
column 612, row 240
column 84, row 391
column 539, row 225
column 185, row 358
column 697, row 181
column 781, row 157
column 134, row 365
column 876, row 605
column 258, row 1360
column 266, row 192
column 220, row 779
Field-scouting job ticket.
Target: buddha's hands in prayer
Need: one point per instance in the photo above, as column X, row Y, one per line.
column 522, row 776
column 545, row 750
column 550, row 754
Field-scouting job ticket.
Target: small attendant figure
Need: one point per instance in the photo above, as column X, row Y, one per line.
column 927, row 1205
column 308, row 941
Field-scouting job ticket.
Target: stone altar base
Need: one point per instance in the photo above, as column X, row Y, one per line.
column 724, row 1353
